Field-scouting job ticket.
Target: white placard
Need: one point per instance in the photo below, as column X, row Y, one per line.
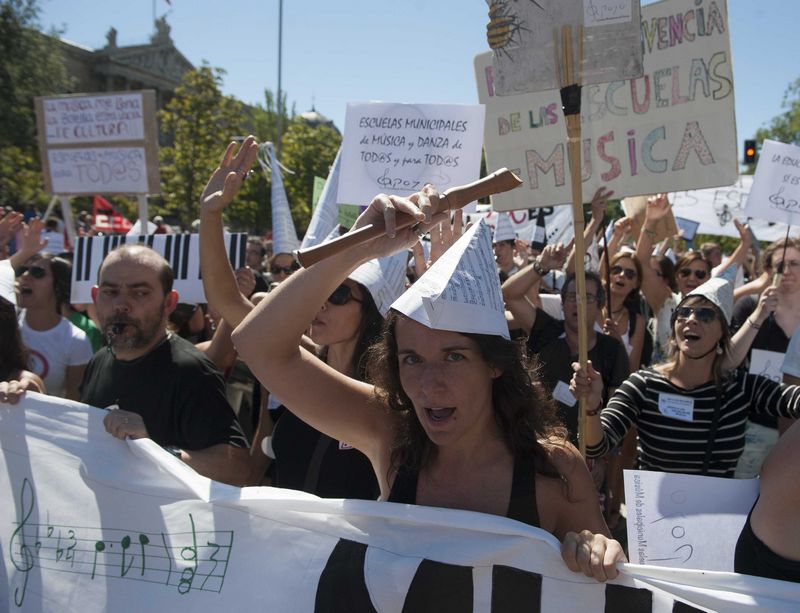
column 521, row 34
column 685, row 521
column 673, row 128
column 398, row 148
column 182, row 251
column 92, row 523
column 715, row 209
column 558, row 222
column 767, row 364
column 98, row 170
column 775, row 195
column 93, row 119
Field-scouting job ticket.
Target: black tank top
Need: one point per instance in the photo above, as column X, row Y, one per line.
column 753, row 557
column 521, row 506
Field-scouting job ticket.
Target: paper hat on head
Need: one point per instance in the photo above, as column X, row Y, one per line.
column 720, row 292
column 460, row 292
column 284, row 236
column 384, row 278
column 7, row 279
column 504, row 230
column 325, row 217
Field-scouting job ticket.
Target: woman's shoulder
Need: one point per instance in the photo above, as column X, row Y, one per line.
column 562, row 455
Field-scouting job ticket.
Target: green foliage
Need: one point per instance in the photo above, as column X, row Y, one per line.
column 309, row 152
column 785, row 127
column 20, row 178
column 265, row 118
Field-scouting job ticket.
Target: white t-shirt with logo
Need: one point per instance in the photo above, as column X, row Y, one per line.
column 51, row 351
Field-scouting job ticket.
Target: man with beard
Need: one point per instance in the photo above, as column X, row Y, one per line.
column 158, row 385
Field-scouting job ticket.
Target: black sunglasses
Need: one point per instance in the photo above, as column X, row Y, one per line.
column 698, row 274
column 702, row 314
column 342, row 295
column 287, row 270
column 629, row 273
column 37, row 272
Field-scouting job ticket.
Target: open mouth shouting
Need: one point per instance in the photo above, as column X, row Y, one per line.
column 439, row 415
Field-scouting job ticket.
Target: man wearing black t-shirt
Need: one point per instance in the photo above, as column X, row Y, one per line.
column 161, row 387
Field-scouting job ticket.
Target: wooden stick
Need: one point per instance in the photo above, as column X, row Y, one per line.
column 454, row 198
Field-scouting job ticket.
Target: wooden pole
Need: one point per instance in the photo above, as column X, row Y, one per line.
column 570, row 81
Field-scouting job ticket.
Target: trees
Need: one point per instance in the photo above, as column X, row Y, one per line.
column 785, row 127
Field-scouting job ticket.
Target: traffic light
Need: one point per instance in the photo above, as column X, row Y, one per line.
column 749, row 152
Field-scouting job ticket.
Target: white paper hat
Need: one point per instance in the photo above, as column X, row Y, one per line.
column 7, row 278
column 384, row 278
column 504, row 230
column 284, row 235
column 460, row 292
column 325, row 217
column 720, row 292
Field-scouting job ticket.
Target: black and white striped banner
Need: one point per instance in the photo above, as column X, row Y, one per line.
column 91, row 523
column 182, row 251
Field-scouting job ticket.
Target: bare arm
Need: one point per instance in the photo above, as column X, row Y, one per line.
column 756, row 286
column 740, row 253
column 655, row 292
column 31, row 242
column 220, row 349
column 221, row 462
column 219, row 281
column 741, row 341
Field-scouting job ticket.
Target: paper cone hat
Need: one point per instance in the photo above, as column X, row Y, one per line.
column 720, row 292
column 284, row 236
column 384, row 278
column 504, row 230
column 461, row 291
column 7, row 278
column 325, row 217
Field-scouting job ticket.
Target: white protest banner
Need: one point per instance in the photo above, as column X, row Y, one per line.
column 99, row 143
column 716, row 208
column 398, row 148
column 557, row 220
column 521, row 33
column 775, row 195
column 92, row 523
column 686, row 521
column 182, row 251
column 671, row 129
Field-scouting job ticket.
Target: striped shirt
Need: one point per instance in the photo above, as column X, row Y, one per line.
column 675, row 440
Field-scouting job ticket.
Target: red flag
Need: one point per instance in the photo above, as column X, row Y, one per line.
column 107, row 219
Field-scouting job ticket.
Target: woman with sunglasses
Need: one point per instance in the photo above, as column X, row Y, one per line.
column 691, row 410
column 452, row 419
column 59, row 350
column 625, row 321
column 340, row 332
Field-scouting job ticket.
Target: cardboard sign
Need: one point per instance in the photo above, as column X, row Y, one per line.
column 521, row 34
column 398, row 148
column 672, row 128
column 99, row 143
column 775, row 195
column 635, row 209
column 685, row 521
column 92, row 523
column 716, row 208
column 182, row 251
column 687, row 228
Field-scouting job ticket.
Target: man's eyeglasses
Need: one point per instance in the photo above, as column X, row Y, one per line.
column 573, row 297
column 287, row 270
column 698, row 274
column 342, row 295
column 702, row 314
column 37, row 272
column 629, row 273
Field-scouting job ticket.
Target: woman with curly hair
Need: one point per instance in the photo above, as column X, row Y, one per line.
column 452, row 419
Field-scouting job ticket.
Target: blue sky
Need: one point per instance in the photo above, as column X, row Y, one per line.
column 391, row 50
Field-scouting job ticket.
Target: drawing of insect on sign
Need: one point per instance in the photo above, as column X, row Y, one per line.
column 685, row 521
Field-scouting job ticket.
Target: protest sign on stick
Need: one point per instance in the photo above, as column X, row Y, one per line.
column 775, row 194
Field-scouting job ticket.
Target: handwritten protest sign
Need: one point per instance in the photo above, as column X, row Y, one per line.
column 686, row 521
column 521, row 34
column 398, row 148
column 99, row 143
column 182, row 251
column 775, row 195
column 672, row 128
column 557, row 221
column 715, row 209
column 92, row 523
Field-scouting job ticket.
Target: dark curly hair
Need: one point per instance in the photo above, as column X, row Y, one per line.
column 524, row 413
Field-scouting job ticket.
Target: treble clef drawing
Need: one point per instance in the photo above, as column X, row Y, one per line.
column 26, row 562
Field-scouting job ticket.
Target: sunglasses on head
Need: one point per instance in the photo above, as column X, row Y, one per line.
column 342, row 295
column 629, row 273
column 702, row 314
column 698, row 274
column 37, row 272
column 287, row 270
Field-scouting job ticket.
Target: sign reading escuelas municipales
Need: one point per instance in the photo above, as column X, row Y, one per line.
column 104, row 143
column 671, row 129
